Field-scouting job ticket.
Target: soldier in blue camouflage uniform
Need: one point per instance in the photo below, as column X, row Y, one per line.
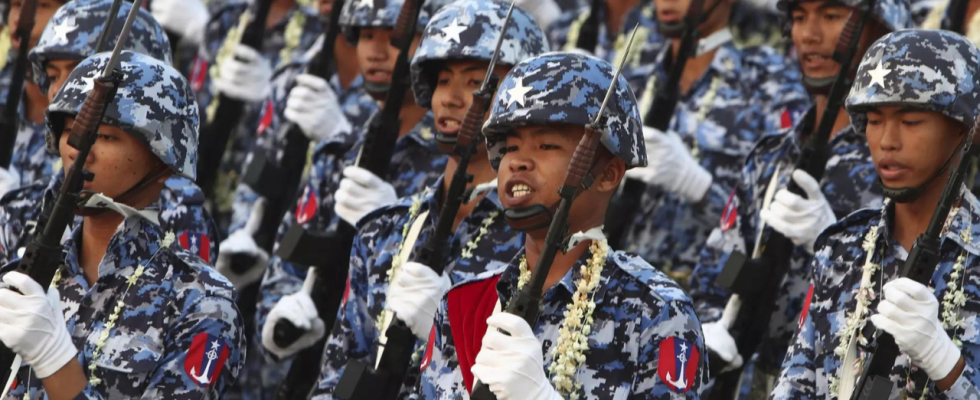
column 916, row 100
column 637, row 333
column 739, row 95
column 175, row 332
column 849, row 183
column 449, row 65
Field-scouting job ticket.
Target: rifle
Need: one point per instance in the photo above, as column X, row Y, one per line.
column 304, row 248
column 279, row 185
column 752, row 303
column 658, row 116
column 107, row 27
column 957, row 9
column 215, row 135
column 44, row 255
column 588, row 32
column 919, row 266
column 359, row 380
column 10, row 119
column 527, row 302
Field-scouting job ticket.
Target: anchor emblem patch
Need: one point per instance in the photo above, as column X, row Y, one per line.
column 205, row 359
column 678, row 365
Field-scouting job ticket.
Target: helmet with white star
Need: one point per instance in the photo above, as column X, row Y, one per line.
column 73, row 32
column 468, row 30
column 566, row 88
column 928, row 69
column 154, row 103
column 892, row 14
column 381, row 14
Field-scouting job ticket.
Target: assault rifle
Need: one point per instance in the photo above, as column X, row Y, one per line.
column 10, row 119
column 527, row 301
column 588, row 33
column 359, row 380
column 279, row 185
column 874, row 383
column 752, row 304
column 216, row 134
column 957, row 9
column 329, row 275
column 44, row 255
column 658, row 116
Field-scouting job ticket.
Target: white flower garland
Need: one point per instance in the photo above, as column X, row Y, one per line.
column 484, row 228
column 569, row 350
column 396, row 261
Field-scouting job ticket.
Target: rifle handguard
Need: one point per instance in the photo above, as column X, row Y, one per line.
column 472, row 122
column 402, row 28
column 90, row 116
column 846, row 35
column 582, row 159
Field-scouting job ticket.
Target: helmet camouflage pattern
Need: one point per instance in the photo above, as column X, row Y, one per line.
column 73, row 33
column 381, row 14
column 154, row 103
column 893, row 14
column 930, row 69
column 566, row 88
column 469, row 29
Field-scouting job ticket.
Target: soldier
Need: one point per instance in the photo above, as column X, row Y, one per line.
column 916, row 100
column 761, row 199
column 611, row 326
column 28, row 162
column 451, row 62
column 146, row 318
column 729, row 97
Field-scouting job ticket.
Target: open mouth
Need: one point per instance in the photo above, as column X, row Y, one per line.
column 378, row 75
column 520, row 190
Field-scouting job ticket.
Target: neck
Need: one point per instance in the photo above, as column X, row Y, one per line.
column 533, row 247
column 696, row 65
column 481, row 171
column 409, row 116
column 615, row 10
column 35, row 104
column 97, row 231
column 912, row 218
column 277, row 12
column 842, row 121
column 347, row 69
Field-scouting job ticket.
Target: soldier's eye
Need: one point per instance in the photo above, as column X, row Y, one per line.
column 546, row 146
column 911, row 123
column 874, row 122
column 509, row 149
column 103, row 136
column 834, row 16
column 475, row 82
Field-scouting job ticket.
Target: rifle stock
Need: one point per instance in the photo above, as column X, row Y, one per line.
column 10, row 120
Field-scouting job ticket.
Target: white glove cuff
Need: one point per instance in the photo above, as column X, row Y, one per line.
column 55, row 357
column 698, row 182
column 942, row 362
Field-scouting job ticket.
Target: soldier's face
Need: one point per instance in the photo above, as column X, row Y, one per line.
column 324, row 6
column 376, row 56
column 45, row 9
column 117, row 159
column 453, row 94
column 57, row 72
column 816, row 28
column 673, row 11
column 534, row 168
column 909, row 145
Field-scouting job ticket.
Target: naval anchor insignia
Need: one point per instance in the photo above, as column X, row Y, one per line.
column 205, row 359
column 678, row 365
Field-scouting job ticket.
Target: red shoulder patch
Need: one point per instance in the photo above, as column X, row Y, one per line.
column 266, row 119
column 729, row 214
column 806, row 307
column 307, row 206
column 199, row 71
column 427, row 356
column 196, row 243
column 205, row 359
column 678, row 364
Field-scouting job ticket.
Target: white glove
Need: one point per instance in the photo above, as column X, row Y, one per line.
column 313, row 105
column 415, row 296
column 718, row 340
column 671, row 166
column 33, row 326
column 187, row 18
column 800, row 219
column 909, row 312
column 361, row 192
column 246, row 76
column 242, row 242
column 9, row 180
column 513, row 366
column 299, row 309
column 544, row 11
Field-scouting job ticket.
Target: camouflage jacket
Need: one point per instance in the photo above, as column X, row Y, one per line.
column 639, row 313
column 849, row 183
column 356, row 333
column 178, row 336
column 743, row 94
column 811, row 363
column 31, row 158
column 181, row 208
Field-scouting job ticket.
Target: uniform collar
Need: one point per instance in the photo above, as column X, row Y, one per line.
column 507, row 286
column 134, row 242
column 727, row 63
column 967, row 215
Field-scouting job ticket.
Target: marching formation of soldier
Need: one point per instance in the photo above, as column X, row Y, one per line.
column 514, row 199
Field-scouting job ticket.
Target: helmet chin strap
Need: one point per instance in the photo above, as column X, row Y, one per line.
column 537, row 216
column 87, row 208
column 377, row 90
column 910, row 194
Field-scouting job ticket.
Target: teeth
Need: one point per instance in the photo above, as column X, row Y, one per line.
column 520, row 190
column 451, row 123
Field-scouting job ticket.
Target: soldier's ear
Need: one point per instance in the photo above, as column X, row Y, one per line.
column 612, row 172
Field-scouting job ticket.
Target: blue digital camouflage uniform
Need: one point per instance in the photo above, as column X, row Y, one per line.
column 930, row 70
column 179, row 334
column 71, row 33
column 743, row 94
column 284, row 42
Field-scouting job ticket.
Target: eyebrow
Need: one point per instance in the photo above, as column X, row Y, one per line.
column 901, row 111
column 445, row 68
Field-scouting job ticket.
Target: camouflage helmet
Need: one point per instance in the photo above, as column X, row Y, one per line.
column 381, row 14
column 469, row 29
column 929, row 69
column 73, row 32
column 154, row 103
column 892, row 14
column 566, row 88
